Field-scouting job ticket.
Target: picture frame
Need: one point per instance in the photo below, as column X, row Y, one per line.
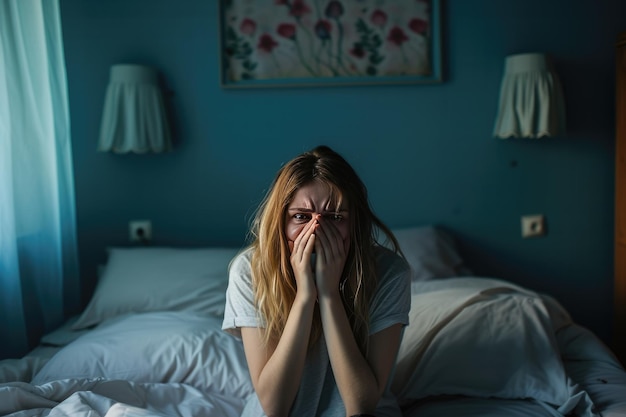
column 310, row 43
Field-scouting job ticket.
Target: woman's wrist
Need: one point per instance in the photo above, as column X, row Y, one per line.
column 329, row 295
column 305, row 298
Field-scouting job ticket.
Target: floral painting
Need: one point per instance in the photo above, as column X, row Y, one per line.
column 328, row 40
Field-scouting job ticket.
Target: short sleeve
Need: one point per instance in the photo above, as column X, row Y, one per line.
column 392, row 301
column 240, row 310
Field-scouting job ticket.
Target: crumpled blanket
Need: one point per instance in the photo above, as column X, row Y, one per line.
column 113, row 398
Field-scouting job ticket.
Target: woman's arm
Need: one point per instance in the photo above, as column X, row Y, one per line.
column 276, row 368
column 361, row 381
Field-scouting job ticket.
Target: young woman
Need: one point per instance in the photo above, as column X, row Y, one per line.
column 318, row 302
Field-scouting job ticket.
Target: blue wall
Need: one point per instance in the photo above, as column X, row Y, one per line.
column 425, row 151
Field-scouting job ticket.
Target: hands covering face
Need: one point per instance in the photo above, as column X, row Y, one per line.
column 314, row 223
column 331, row 250
column 325, row 236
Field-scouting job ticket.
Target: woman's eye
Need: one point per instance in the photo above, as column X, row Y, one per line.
column 301, row 217
column 336, row 217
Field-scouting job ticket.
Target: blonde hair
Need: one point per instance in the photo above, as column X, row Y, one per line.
column 272, row 275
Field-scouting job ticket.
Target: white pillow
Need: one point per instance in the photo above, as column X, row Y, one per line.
column 160, row 279
column 431, row 253
column 480, row 338
column 156, row 347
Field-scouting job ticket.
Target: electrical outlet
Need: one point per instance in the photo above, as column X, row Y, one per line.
column 533, row 225
column 140, row 231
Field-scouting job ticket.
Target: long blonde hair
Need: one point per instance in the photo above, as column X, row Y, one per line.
column 272, row 276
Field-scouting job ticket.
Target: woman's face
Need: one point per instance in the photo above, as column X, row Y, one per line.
column 310, row 200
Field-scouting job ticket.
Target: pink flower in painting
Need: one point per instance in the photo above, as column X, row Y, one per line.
column 322, row 29
column 247, row 27
column 397, row 36
column 334, row 10
column 266, row 43
column 357, row 50
column 299, row 8
column 379, row 18
column 419, row 26
column 287, row 30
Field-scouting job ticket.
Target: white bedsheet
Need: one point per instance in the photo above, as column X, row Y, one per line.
column 109, row 398
column 149, row 364
column 182, row 364
column 487, row 339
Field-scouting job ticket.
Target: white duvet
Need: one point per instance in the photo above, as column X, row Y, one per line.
column 473, row 337
column 150, row 364
column 113, row 398
column 486, row 338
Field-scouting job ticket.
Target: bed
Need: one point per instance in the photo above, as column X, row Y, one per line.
column 149, row 343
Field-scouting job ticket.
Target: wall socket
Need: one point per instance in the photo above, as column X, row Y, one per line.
column 533, row 225
column 140, row 231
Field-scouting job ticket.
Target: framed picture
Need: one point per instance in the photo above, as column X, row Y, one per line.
column 286, row 43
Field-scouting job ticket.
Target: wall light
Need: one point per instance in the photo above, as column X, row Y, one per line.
column 134, row 117
column 531, row 98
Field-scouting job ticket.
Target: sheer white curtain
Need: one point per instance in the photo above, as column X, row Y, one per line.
column 38, row 254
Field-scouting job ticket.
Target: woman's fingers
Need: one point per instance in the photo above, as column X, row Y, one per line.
column 331, row 256
column 331, row 239
column 303, row 247
column 303, row 238
column 309, row 245
column 301, row 254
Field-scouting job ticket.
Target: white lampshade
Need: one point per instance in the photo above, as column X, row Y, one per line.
column 134, row 117
column 531, row 99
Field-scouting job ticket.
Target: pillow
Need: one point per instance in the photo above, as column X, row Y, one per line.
column 430, row 252
column 63, row 335
column 479, row 337
column 160, row 279
column 156, row 347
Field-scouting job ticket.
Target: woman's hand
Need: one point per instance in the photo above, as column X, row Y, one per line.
column 331, row 250
column 301, row 253
column 276, row 367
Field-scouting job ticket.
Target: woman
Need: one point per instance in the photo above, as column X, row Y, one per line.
column 318, row 303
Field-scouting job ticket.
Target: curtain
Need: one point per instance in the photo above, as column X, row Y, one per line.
column 38, row 251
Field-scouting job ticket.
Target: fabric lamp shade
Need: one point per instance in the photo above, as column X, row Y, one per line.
column 531, row 99
column 134, row 117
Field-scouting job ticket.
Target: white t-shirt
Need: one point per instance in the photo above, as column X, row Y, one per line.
column 318, row 395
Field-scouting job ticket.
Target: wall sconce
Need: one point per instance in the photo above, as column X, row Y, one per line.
column 134, row 119
column 531, row 98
